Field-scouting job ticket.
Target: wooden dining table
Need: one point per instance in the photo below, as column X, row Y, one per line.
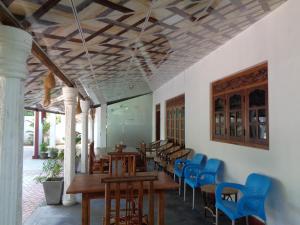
column 90, row 187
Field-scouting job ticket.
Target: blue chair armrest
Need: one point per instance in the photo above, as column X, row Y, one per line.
column 221, row 186
column 246, row 198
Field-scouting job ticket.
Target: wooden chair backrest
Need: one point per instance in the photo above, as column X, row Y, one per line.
column 163, row 148
column 127, row 160
column 182, row 153
column 91, row 157
column 132, row 190
column 169, row 151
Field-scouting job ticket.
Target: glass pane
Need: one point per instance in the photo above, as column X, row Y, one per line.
column 232, row 117
column 217, row 118
column 235, row 102
column 129, row 121
column 222, row 129
column 257, row 98
column 222, row 117
column 253, row 133
column 239, row 117
column 262, row 132
column 239, row 130
column 219, row 105
column 218, row 130
column 252, row 115
column 232, row 130
column 262, row 115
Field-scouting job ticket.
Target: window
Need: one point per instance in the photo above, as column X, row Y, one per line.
column 240, row 108
column 175, row 120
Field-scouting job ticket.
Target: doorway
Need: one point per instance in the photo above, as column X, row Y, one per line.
column 157, row 119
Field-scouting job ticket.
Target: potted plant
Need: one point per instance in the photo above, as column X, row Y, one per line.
column 61, row 155
column 53, row 152
column 52, row 181
column 43, row 151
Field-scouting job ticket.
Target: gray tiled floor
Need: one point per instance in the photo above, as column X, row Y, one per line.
column 177, row 213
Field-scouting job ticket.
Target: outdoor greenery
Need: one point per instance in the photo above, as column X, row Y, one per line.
column 46, row 129
column 52, row 168
column 78, row 138
column 53, row 152
column 29, row 128
column 28, row 113
column 43, row 147
column 58, row 119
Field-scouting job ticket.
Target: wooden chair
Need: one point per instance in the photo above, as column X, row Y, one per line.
column 96, row 165
column 131, row 190
column 127, row 161
column 164, row 156
column 141, row 161
column 160, row 151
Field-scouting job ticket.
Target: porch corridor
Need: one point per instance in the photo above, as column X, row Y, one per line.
column 177, row 213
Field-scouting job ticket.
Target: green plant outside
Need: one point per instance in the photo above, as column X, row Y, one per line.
column 52, row 168
column 43, row 147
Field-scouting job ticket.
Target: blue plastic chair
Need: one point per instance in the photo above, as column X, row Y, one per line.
column 181, row 164
column 195, row 176
column 254, row 193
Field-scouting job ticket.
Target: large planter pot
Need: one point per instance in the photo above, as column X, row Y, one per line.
column 53, row 188
column 44, row 155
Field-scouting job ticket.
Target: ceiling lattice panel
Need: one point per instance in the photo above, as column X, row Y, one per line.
column 122, row 48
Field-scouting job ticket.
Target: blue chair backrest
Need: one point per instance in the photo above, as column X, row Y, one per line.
column 198, row 158
column 212, row 165
column 258, row 184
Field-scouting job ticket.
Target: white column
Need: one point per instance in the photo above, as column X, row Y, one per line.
column 52, row 119
column 85, row 105
column 70, row 95
column 15, row 46
column 103, row 124
column 91, row 125
column 98, row 128
column 91, row 129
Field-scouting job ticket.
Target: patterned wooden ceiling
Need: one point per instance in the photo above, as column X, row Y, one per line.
column 121, row 48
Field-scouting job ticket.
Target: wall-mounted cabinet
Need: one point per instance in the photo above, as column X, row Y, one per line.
column 175, row 113
column 239, row 112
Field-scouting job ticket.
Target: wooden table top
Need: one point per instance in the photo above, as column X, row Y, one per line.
column 92, row 183
column 211, row 188
column 102, row 153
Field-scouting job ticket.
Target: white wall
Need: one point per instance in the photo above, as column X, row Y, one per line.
column 275, row 38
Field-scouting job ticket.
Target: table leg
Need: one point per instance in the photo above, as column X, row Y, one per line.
column 161, row 208
column 85, row 209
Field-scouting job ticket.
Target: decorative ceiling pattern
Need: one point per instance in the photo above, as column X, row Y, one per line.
column 121, row 48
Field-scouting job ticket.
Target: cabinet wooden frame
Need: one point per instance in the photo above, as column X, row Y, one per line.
column 251, row 80
column 175, row 121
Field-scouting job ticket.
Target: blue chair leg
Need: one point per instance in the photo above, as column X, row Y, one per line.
column 179, row 190
column 217, row 217
column 184, row 190
column 193, row 198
